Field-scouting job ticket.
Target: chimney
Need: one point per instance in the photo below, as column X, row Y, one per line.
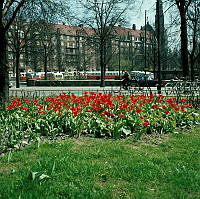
column 134, row 27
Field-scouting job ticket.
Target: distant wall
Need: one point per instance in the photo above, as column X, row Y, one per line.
column 70, row 83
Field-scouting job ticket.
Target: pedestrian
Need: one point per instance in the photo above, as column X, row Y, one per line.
column 126, row 80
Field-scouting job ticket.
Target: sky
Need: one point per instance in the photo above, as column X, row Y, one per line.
column 138, row 17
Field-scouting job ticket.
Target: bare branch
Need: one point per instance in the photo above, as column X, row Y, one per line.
column 17, row 9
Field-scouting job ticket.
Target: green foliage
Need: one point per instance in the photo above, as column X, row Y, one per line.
column 26, row 120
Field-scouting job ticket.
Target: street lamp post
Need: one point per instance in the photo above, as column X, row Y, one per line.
column 158, row 40
column 145, row 41
column 45, row 46
column 119, row 56
column 145, row 46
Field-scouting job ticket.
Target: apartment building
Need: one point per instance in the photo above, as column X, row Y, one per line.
column 62, row 47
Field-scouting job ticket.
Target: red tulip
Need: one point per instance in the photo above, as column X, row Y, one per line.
column 146, row 123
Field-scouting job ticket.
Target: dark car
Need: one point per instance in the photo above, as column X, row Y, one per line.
column 148, row 83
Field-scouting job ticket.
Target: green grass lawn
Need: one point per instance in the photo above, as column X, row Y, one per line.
column 157, row 167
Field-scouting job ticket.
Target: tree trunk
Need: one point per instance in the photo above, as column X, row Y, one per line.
column 192, row 68
column 45, row 63
column 194, row 45
column 17, row 69
column 4, row 73
column 102, row 64
column 184, row 40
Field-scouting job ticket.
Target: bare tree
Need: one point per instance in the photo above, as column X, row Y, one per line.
column 43, row 41
column 183, row 6
column 16, row 44
column 5, row 22
column 102, row 16
column 19, row 39
column 8, row 12
column 189, row 28
column 194, row 35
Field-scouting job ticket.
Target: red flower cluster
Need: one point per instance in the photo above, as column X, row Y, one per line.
column 106, row 106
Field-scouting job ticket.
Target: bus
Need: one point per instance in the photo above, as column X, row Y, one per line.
column 41, row 76
column 108, row 75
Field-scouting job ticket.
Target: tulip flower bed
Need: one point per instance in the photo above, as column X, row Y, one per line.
column 96, row 114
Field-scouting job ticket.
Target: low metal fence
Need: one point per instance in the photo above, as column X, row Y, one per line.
column 78, row 92
column 32, row 92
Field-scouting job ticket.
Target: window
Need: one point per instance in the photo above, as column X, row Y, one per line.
column 9, row 41
column 70, row 45
column 9, row 34
column 10, row 64
column 53, row 39
column 62, row 43
column 10, row 56
column 9, row 48
column 21, row 34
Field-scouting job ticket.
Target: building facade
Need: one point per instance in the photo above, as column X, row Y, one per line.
column 75, row 48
